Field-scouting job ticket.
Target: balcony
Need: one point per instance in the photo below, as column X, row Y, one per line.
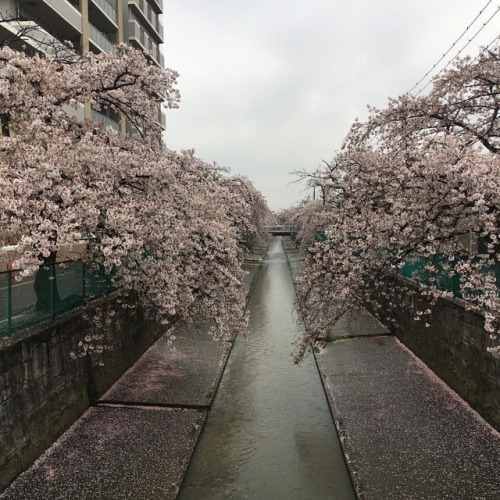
column 146, row 16
column 100, row 41
column 136, row 35
column 139, row 39
column 35, row 39
column 57, row 17
column 157, row 4
column 105, row 120
column 103, row 15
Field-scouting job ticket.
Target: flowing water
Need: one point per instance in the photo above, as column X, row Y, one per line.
column 270, row 433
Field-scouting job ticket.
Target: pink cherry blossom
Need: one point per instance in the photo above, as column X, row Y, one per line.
column 170, row 230
column 418, row 182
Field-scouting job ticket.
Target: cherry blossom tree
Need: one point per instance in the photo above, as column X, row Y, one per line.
column 248, row 210
column 157, row 222
column 45, row 159
column 411, row 185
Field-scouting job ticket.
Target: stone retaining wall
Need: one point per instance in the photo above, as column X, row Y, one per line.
column 43, row 391
column 454, row 347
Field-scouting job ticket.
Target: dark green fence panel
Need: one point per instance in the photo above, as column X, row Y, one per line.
column 4, row 304
column 27, row 309
column 96, row 281
column 414, row 268
column 52, row 290
column 69, row 286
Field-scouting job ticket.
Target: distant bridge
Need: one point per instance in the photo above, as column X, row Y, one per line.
column 280, row 230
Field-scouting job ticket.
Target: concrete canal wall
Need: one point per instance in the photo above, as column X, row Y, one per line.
column 43, row 391
column 454, row 346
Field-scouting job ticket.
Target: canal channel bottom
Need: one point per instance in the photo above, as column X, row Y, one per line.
column 270, row 433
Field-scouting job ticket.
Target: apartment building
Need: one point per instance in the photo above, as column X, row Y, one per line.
column 87, row 25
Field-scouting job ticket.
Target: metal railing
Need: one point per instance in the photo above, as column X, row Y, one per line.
column 106, row 120
column 101, row 40
column 52, row 291
column 279, row 229
column 108, row 9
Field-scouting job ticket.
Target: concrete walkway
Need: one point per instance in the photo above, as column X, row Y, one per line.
column 405, row 434
column 138, row 441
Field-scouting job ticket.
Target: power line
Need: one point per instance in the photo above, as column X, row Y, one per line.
column 451, row 48
column 496, row 39
column 460, row 51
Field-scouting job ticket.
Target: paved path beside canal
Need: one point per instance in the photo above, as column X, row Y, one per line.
column 406, row 435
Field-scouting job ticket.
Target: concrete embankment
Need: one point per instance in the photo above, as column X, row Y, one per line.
column 405, row 434
column 138, row 440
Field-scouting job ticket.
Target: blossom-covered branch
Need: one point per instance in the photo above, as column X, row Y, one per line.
column 160, row 224
column 419, row 180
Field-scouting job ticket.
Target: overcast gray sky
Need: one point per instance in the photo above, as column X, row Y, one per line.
column 270, row 86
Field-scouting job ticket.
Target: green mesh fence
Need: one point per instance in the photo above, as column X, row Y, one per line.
column 414, row 268
column 53, row 290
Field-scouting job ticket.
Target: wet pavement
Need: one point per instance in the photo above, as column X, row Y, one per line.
column 184, row 373
column 114, row 453
column 405, row 433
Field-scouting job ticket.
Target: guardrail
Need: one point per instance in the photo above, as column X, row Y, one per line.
column 108, row 9
column 101, row 40
column 52, row 291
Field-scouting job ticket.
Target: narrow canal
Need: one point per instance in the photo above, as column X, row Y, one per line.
column 270, row 433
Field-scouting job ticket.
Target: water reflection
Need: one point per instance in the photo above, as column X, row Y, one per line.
column 270, row 434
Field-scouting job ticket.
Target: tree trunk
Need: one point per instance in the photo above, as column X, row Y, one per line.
column 47, row 296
